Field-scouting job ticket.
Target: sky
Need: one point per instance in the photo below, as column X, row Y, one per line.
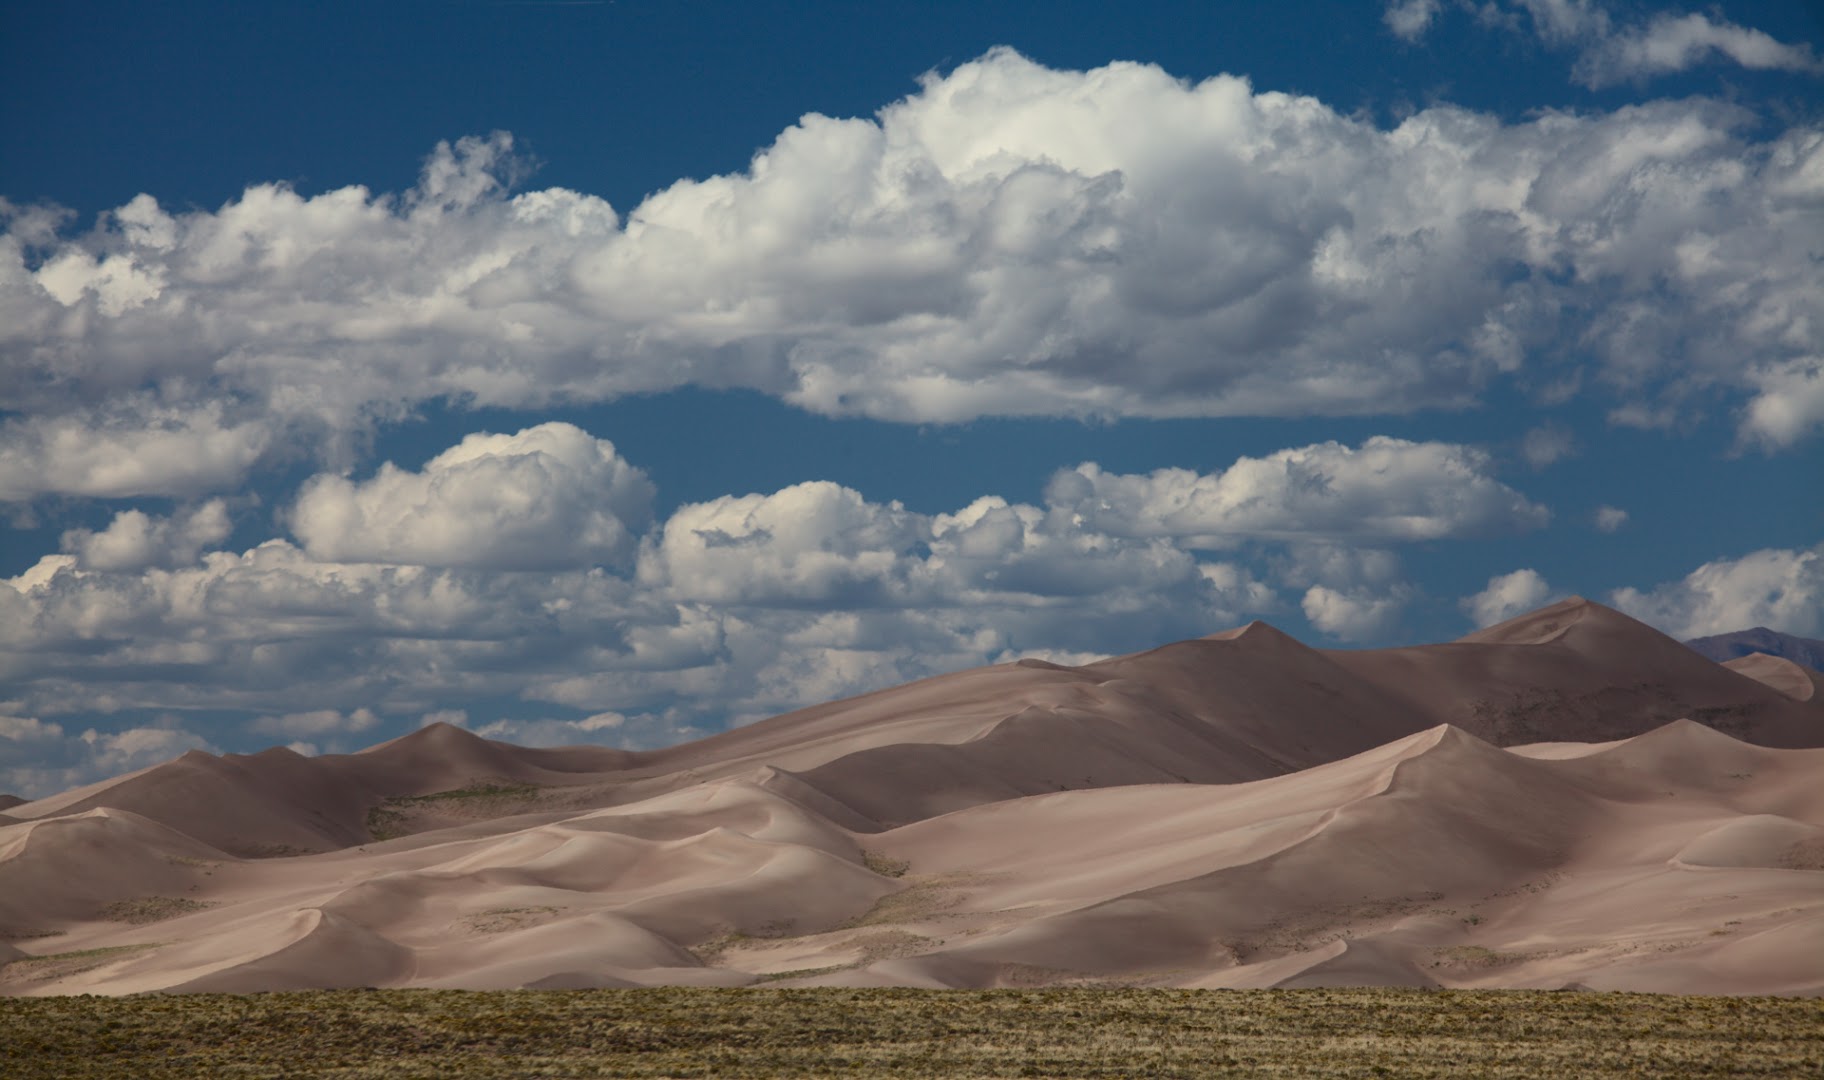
column 620, row 372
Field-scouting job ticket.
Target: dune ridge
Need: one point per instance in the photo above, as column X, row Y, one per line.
column 1514, row 809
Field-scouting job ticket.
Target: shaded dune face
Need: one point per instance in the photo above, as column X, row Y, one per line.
column 1568, row 798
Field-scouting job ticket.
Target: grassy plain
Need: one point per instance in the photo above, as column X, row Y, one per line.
column 909, row 1033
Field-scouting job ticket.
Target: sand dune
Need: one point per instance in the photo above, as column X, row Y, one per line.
column 1237, row 706
column 88, row 862
column 1237, row 811
column 1796, row 682
column 278, row 802
column 1578, row 671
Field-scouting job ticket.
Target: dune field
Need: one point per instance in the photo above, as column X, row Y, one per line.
column 1568, row 799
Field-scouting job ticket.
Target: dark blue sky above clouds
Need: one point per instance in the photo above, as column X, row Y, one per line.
column 620, row 371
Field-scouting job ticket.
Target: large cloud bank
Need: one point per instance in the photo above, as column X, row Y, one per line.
column 527, row 567
column 1008, row 240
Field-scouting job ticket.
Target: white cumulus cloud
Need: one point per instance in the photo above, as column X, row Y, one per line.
column 316, row 723
column 1670, row 43
column 1386, row 489
column 1611, row 50
column 135, row 540
column 1010, row 239
column 1788, row 404
column 522, row 567
column 731, row 608
column 1410, row 19
column 812, row 543
column 547, row 497
column 134, row 447
column 1354, row 614
column 1508, row 595
column 1780, row 588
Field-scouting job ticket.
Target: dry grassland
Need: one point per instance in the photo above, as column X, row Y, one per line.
column 910, row 1033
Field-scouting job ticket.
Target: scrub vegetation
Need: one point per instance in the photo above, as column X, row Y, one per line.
column 910, row 1033
column 151, row 909
column 398, row 815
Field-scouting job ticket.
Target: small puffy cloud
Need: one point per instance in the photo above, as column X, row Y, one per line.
column 133, row 448
column 547, row 497
column 113, row 753
column 1547, row 444
column 1778, row 588
column 28, row 729
column 992, row 548
column 1050, row 656
column 1410, row 19
column 814, row 542
column 1506, row 596
column 1672, row 43
column 1356, row 614
column 1386, row 490
column 453, row 717
column 316, row 723
column 1562, row 22
column 1788, row 404
column 135, row 540
column 1611, row 50
column 1346, row 567
column 1610, row 518
column 642, row 731
column 1234, row 589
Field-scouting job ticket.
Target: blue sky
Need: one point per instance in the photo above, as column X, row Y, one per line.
column 616, row 372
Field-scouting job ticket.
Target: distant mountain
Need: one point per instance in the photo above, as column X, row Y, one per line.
column 1726, row 647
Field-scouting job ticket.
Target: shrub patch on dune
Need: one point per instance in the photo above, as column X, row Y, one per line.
column 1804, row 855
column 884, row 866
column 151, row 909
column 398, row 815
column 1476, row 956
column 922, row 897
column 64, row 964
column 774, row 932
column 27, row 933
column 506, row 919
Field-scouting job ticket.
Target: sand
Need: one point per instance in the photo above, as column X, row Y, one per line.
column 1515, row 809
